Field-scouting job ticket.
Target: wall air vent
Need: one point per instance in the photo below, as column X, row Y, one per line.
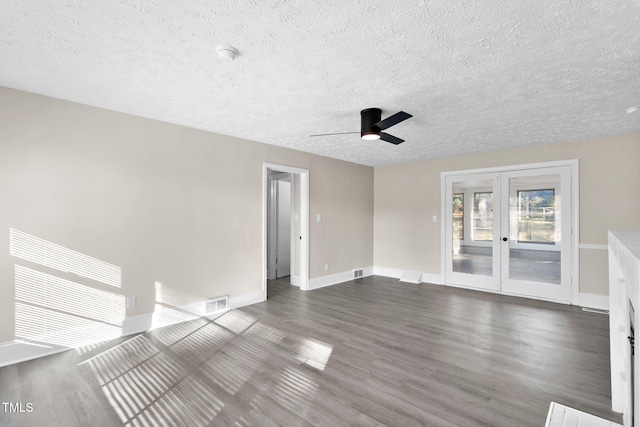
column 357, row 274
column 216, row 305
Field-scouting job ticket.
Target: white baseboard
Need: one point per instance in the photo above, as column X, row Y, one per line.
column 296, row 280
column 367, row 271
column 137, row 324
column 246, row 298
column 21, row 350
column 411, row 276
column 396, row 273
column 334, row 279
column 433, row 279
column 171, row 316
column 601, row 302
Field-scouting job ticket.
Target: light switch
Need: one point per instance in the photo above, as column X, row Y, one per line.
column 318, row 217
column 131, row 302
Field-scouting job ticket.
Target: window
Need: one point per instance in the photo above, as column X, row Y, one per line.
column 536, row 216
column 483, row 216
column 458, row 216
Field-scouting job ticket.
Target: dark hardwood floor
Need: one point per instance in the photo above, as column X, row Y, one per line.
column 368, row 352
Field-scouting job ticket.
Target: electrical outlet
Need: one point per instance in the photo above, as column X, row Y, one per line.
column 318, row 217
column 326, row 267
column 435, row 218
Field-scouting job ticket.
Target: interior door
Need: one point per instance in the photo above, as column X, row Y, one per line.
column 510, row 232
column 536, row 233
column 473, row 231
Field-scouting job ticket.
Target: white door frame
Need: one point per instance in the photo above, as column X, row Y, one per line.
column 304, row 221
column 574, row 165
column 479, row 282
column 509, row 285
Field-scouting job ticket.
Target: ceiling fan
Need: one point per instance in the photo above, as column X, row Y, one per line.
column 371, row 125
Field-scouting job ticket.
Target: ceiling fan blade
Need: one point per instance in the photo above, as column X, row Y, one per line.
column 390, row 138
column 328, row 134
column 393, row 120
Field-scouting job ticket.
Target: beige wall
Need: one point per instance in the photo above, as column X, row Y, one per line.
column 165, row 203
column 344, row 222
column 408, row 195
column 183, row 207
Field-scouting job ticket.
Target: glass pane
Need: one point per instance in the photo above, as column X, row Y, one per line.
column 458, row 216
column 473, row 251
column 483, row 216
column 534, row 223
column 536, row 216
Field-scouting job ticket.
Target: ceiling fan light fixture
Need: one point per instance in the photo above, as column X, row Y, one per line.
column 368, row 119
column 372, row 126
column 370, row 136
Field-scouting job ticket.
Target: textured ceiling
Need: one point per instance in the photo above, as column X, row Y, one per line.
column 476, row 75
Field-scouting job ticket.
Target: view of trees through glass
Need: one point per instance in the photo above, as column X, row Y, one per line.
column 483, row 216
column 536, row 216
column 458, row 216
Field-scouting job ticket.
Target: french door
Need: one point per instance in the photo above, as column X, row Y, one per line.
column 510, row 232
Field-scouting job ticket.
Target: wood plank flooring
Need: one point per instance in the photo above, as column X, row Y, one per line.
column 373, row 351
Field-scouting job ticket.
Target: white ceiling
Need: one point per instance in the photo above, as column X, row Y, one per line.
column 477, row 75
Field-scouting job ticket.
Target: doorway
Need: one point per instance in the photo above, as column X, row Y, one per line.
column 285, row 226
column 510, row 231
column 280, row 246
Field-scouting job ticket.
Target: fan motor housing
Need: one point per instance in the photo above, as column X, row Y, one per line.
column 368, row 119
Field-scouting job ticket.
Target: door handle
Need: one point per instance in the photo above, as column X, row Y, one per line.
column 504, row 239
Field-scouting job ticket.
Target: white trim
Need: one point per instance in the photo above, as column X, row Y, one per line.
column 593, row 246
column 443, row 228
column 563, row 416
column 13, row 352
column 510, row 168
column 22, row 350
column 563, row 291
column 295, row 280
column 394, row 273
column 574, row 165
column 411, row 276
column 367, row 271
column 432, row 279
column 246, row 298
column 304, row 222
column 493, row 291
column 137, row 324
column 575, row 226
column 471, row 288
column 334, row 279
column 480, row 281
column 601, row 302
